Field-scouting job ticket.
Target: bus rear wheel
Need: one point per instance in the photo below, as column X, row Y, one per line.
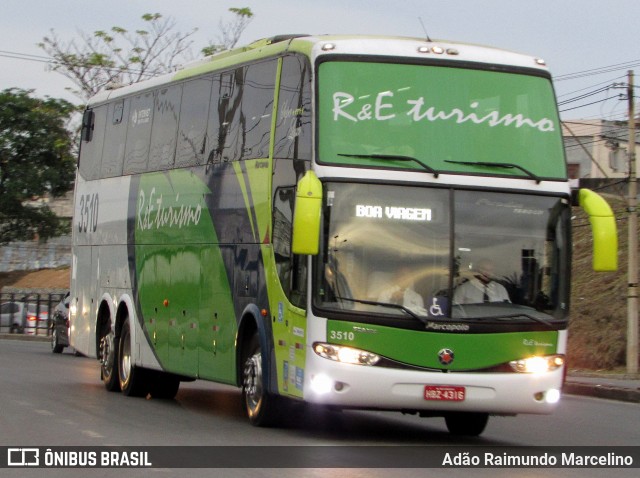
column 132, row 379
column 260, row 406
column 108, row 362
column 466, row 424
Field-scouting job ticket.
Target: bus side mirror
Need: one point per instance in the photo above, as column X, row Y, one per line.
column 603, row 228
column 306, row 215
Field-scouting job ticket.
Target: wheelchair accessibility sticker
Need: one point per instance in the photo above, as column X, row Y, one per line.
column 438, row 306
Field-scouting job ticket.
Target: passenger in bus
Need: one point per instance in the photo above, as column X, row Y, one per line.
column 481, row 288
column 401, row 292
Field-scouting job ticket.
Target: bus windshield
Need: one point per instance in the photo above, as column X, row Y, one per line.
column 428, row 254
column 439, row 119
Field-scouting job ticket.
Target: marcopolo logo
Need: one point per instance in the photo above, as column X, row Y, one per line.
column 141, row 116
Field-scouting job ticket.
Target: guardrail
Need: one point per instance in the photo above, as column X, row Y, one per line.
column 29, row 314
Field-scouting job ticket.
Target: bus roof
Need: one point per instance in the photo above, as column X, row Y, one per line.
column 317, row 46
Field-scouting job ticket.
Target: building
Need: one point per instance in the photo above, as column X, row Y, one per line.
column 596, row 149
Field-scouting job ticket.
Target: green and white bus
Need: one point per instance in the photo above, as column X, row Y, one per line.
column 301, row 217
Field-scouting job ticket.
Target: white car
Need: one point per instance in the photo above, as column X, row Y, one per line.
column 13, row 317
column 37, row 321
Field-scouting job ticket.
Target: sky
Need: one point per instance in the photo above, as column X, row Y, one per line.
column 589, row 45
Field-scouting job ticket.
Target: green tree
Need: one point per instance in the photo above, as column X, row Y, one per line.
column 36, row 160
column 119, row 56
column 230, row 31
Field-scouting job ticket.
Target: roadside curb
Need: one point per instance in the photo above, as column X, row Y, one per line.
column 624, row 394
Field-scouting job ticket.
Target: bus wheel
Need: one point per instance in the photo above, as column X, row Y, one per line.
column 132, row 379
column 466, row 424
column 56, row 348
column 108, row 362
column 259, row 405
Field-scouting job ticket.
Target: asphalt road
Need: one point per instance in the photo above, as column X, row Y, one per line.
column 49, row 400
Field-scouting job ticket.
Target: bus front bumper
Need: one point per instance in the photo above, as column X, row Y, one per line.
column 370, row 387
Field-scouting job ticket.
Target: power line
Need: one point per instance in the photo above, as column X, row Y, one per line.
column 576, row 146
column 598, row 71
column 582, row 106
column 25, row 56
column 585, row 95
column 582, row 123
column 608, row 82
column 52, row 61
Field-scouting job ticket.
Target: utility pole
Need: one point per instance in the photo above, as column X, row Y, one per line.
column 632, row 291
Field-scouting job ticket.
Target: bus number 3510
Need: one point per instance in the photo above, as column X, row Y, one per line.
column 341, row 335
column 88, row 213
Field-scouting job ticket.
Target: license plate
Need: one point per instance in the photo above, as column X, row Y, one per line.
column 444, row 393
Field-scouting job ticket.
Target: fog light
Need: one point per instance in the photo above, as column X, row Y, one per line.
column 321, row 384
column 552, row 396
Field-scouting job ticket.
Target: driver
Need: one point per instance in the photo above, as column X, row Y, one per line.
column 481, row 288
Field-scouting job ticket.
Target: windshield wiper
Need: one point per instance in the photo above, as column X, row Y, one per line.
column 499, row 165
column 530, row 317
column 385, row 304
column 394, row 157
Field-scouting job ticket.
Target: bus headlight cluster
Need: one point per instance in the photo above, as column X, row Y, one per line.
column 537, row 364
column 340, row 353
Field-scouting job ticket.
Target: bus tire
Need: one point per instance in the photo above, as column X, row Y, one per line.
column 466, row 424
column 109, row 362
column 56, row 348
column 132, row 379
column 260, row 406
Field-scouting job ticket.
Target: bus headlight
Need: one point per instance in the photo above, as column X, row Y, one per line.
column 537, row 364
column 340, row 353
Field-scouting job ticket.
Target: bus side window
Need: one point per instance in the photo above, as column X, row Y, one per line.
column 256, row 110
column 220, row 117
column 138, row 134
column 115, row 137
column 291, row 268
column 91, row 151
column 165, row 128
column 293, row 126
column 192, row 131
column 241, row 112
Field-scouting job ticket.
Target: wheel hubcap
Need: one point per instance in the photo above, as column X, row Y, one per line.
column 125, row 360
column 106, row 352
column 252, row 382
